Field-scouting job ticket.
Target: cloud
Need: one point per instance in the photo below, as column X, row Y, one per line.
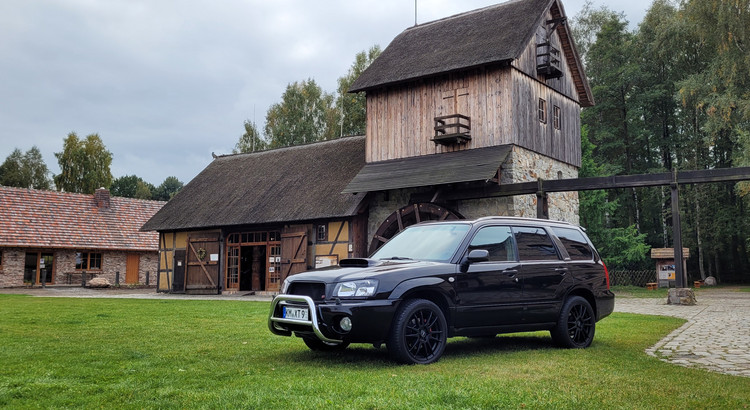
column 165, row 83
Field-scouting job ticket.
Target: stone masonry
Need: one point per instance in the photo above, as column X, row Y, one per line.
column 522, row 165
column 13, row 264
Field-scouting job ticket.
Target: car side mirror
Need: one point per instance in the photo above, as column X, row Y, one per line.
column 478, row 255
column 474, row 256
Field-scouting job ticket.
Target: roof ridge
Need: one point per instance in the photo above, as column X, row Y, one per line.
column 291, row 147
column 462, row 14
column 71, row 194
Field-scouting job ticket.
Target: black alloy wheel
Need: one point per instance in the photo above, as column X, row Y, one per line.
column 320, row 346
column 576, row 325
column 419, row 333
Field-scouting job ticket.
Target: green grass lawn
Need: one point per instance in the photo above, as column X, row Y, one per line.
column 639, row 292
column 64, row 352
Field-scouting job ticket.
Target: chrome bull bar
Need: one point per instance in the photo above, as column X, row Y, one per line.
column 274, row 322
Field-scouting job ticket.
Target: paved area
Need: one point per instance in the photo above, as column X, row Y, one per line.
column 126, row 293
column 716, row 336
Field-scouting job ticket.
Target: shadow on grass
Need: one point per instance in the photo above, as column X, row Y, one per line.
column 460, row 347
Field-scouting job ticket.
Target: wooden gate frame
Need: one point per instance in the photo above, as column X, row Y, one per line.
column 200, row 261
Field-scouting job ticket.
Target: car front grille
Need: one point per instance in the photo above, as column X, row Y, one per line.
column 315, row 290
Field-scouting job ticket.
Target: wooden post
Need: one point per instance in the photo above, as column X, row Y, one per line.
column 680, row 277
column 541, row 202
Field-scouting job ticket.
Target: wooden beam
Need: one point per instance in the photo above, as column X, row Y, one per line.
column 585, row 184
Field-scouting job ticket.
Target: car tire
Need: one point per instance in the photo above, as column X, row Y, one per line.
column 418, row 334
column 576, row 324
column 320, row 346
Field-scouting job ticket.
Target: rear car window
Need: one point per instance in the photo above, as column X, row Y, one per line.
column 534, row 244
column 497, row 240
column 575, row 243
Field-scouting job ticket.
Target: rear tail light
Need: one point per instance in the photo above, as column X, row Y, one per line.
column 606, row 273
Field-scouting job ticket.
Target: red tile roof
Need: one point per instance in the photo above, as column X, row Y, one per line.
column 50, row 219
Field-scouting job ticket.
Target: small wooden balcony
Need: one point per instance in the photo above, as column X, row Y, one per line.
column 548, row 60
column 452, row 129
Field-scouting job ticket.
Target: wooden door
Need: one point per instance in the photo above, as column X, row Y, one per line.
column 178, row 276
column 131, row 268
column 293, row 251
column 202, row 270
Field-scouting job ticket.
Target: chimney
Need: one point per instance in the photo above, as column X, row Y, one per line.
column 101, row 197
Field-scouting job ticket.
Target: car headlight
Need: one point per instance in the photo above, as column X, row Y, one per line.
column 361, row 288
column 285, row 285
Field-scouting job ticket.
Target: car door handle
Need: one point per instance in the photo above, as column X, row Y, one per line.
column 510, row 272
column 561, row 271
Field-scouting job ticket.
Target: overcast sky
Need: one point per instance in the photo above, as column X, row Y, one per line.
column 165, row 83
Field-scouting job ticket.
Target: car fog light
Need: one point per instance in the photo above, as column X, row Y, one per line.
column 346, row 324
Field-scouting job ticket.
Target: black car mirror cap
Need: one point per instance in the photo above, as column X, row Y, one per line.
column 475, row 255
column 478, row 255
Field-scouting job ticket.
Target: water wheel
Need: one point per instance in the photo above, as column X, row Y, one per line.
column 407, row 216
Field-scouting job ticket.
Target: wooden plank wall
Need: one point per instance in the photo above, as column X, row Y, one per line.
column 527, row 63
column 563, row 144
column 501, row 102
column 400, row 120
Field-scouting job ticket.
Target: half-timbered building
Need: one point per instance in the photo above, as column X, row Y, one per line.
column 492, row 96
column 249, row 220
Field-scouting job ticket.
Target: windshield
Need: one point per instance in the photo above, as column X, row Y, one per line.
column 428, row 242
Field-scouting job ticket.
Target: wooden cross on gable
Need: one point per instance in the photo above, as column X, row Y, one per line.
column 456, row 101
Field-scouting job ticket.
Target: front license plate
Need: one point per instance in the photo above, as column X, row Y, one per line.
column 295, row 313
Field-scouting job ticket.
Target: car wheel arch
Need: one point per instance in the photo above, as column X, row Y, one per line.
column 584, row 293
column 434, row 295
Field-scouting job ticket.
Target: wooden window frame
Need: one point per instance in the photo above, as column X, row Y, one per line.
column 542, row 110
column 321, row 233
column 89, row 256
column 556, row 117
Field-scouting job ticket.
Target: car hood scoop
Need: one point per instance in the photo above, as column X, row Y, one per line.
column 358, row 263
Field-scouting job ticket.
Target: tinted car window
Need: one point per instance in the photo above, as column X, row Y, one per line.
column 424, row 242
column 575, row 243
column 534, row 244
column 497, row 240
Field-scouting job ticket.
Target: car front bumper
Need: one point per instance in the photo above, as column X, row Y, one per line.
column 370, row 319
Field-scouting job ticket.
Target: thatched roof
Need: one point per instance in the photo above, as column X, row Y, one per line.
column 491, row 35
column 281, row 185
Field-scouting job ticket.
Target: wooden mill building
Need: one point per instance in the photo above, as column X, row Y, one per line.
column 491, row 96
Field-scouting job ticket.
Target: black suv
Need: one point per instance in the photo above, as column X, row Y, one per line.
column 442, row 279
